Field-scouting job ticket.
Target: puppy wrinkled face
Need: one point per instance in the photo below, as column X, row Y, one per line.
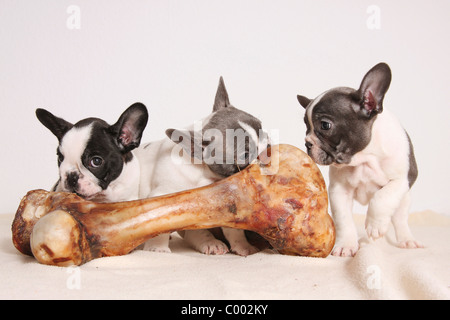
column 86, row 163
column 335, row 128
column 237, row 135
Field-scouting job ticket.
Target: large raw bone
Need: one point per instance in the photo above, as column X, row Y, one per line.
column 285, row 201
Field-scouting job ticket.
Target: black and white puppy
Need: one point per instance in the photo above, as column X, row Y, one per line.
column 95, row 159
column 371, row 157
column 216, row 147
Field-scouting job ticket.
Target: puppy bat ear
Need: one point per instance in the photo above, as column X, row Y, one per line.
column 221, row 100
column 373, row 88
column 304, row 101
column 57, row 126
column 186, row 138
column 130, row 126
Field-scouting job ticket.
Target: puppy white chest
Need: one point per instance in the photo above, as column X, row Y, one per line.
column 366, row 177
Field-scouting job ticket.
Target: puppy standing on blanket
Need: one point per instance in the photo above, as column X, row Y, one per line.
column 96, row 160
column 198, row 156
column 371, row 157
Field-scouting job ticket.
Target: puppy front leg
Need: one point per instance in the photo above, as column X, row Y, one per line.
column 341, row 201
column 382, row 207
column 405, row 238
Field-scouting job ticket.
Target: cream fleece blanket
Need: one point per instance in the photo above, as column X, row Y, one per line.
column 378, row 271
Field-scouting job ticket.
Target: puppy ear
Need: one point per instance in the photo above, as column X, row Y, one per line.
column 373, row 88
column 221, row 100
column 57, row 126
column 130, row 126
column 304, row 101
column 188, row 142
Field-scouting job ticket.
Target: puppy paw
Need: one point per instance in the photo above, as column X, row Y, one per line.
column 410, row 244
column 376, row 228
column 345, row 251
column 213, row 247
column 244, row 249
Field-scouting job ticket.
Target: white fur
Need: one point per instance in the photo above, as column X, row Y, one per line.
column 162, row 174
column 126, row 186
column 376, row 176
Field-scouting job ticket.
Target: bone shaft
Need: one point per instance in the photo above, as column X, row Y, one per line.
column 122, row 229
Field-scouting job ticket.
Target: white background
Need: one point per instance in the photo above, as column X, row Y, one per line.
column 170, row 54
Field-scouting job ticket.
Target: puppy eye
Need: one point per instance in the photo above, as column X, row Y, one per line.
column 325, row 125
column 96, row 162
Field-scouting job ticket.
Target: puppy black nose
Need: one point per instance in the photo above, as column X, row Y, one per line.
column 308, row 145
column 72, row 180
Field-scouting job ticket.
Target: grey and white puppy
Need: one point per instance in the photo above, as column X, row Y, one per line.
column 200, row 155
column 371, row 159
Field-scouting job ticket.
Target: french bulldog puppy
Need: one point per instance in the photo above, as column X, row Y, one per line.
column 95, row 159
column 371, row 159
column 200, row 155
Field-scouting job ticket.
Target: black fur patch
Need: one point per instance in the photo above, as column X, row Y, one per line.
column 413, row 171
